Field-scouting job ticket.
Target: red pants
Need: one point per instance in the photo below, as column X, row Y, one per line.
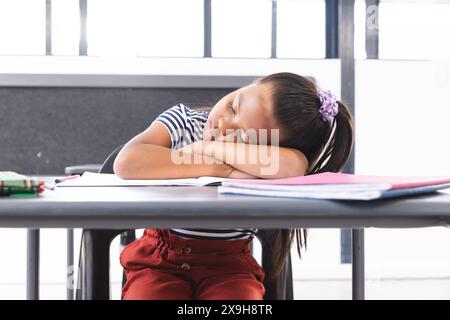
column 162, row 266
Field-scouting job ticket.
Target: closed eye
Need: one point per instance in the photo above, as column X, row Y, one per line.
column 231, row 107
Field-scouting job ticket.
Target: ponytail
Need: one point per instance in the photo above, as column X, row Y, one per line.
column 326, row 145
column 338, row 145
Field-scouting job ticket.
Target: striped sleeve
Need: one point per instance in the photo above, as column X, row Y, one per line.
column 174, row 119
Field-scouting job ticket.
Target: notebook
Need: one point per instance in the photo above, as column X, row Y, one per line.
column 90, row 179
column 396, row 182
column 337, row 186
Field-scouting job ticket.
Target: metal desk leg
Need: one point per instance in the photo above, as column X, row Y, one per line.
column 70, row 266
column 358, row 264
column 32, row 264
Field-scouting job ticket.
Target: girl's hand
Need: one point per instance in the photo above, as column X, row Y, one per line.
column 232, row 173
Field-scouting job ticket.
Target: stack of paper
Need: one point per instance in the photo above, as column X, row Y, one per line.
column 89, row 179
column 338, row 186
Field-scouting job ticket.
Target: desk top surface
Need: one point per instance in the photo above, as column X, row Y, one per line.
column 195, row 206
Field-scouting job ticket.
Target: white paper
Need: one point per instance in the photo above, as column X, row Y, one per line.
column 316, row 188
column 331, row 195
column 90, row 179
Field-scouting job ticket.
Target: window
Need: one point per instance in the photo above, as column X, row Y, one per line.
column 241, row 28
column 22, row 25
column 145, row 28
column 171, row 28
column 111, row 27
column 65, row 27
column 360, row 29
column 414, row 30
column 301, row 29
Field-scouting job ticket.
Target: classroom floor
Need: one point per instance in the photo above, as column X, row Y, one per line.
column 411, row 289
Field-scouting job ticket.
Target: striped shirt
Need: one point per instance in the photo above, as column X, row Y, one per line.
column 185, row 126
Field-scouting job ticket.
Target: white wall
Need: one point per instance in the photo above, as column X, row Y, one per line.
column 402, row 113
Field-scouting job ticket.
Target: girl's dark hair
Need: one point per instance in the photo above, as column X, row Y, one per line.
column 326, row 145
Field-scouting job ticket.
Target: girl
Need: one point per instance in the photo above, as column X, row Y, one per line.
column 313, row 134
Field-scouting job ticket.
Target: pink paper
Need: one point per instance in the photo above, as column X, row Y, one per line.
column 344, row 178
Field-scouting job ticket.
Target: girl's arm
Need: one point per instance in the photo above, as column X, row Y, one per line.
column 263, row 161
column 149, row 156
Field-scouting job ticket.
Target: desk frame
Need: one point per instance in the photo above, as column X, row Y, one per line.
column 166, row 207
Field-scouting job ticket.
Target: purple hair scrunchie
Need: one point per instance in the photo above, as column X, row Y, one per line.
column 329, row 108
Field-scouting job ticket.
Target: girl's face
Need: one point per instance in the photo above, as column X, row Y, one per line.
column 243, row 111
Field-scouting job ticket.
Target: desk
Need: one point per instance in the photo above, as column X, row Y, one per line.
column 203, row 207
